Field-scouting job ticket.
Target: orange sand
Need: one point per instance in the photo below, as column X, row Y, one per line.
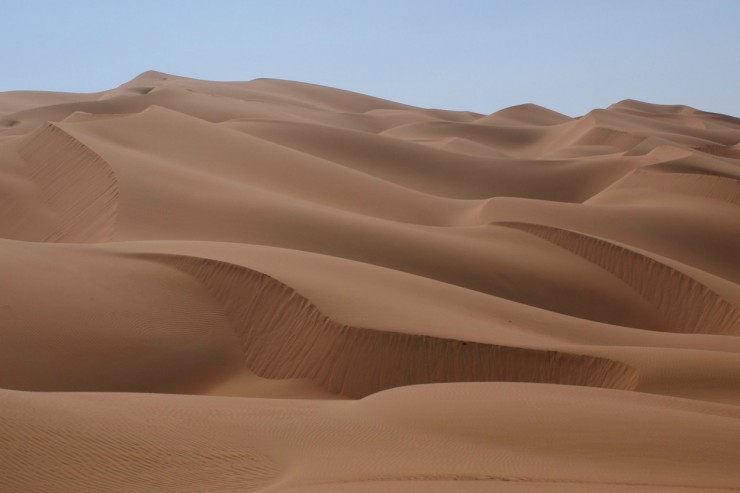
column 280, row 287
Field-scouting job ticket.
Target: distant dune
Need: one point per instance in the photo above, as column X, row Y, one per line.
column 281, row 287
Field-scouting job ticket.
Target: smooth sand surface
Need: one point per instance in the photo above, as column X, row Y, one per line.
column 281, row 287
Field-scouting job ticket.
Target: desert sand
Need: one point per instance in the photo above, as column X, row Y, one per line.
column 281, row 287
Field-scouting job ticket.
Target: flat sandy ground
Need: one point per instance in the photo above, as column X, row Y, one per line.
column 280, row 287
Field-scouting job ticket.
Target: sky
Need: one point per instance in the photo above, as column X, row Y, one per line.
column 478, row 55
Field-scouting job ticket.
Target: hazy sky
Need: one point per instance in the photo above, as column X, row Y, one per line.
column 570, row 56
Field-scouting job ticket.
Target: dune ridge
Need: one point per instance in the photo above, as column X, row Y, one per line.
column 705, row 311
column 278, row 286
column 283, row 335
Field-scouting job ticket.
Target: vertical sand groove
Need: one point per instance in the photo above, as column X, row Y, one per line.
column 283, row 335
column 687, row 305
column 75, row 183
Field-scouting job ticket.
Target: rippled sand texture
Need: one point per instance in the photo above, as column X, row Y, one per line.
column 281, row 287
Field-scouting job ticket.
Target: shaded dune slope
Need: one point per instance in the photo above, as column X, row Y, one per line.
column 283, row 335
column 76, row 184
column 687, row 305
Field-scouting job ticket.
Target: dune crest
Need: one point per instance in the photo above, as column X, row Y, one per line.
column 284, row 336
column 278, row 286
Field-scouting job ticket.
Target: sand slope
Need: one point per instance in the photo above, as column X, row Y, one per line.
column 276, row 286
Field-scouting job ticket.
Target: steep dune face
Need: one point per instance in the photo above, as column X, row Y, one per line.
column 285, row 336
column 76, row 185
column 274, row 239
column 703, row 310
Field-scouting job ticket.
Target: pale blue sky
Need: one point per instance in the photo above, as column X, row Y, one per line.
column 479, row 55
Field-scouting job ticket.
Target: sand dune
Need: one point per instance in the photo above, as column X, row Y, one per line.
column 277, row 286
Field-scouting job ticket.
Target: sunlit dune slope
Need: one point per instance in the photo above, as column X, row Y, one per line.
column 278, row 286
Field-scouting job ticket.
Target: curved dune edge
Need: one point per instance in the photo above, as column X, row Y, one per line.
column 687, row 305
column 702, row 185
column 77, row 185
column 283, row 335
column 599, row 135
column 732, row 152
